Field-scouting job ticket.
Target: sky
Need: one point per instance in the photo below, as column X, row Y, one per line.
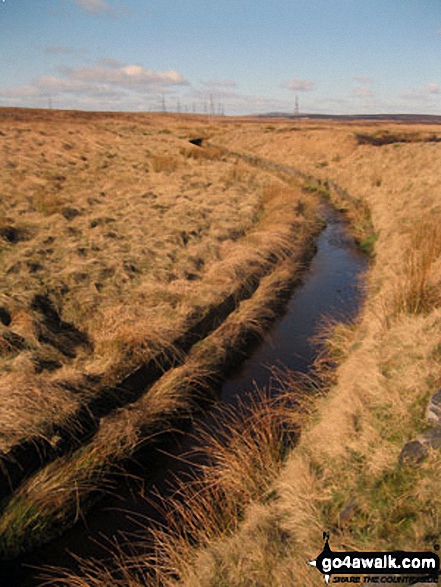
column 223, row 56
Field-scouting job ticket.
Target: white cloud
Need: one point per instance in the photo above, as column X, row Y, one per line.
column 134, row 77
column 110, row 62
column 232, row 102
column 432, row 88
column 363, row 92
column 300, row 85
column 50, row 83
column 24, row 91
column 415, row 96
column 108, row 84
column 423, row 94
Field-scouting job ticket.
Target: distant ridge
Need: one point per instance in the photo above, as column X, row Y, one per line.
column 416, row 118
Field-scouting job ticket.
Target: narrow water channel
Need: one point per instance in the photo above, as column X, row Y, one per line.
column 330, row 288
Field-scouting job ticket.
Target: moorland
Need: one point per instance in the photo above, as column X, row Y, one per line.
column 131, row 255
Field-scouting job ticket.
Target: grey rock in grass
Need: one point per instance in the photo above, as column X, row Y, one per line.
column 413, row 452
column 433, row 413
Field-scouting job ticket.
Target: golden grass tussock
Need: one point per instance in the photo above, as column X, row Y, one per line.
column 28, row 409
column 56, row 496
column 201, row 153
column 418, row 289
column 166, row 163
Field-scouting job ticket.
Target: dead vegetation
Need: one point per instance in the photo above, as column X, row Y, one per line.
column 258, row 514
column 345, row 474
column 241, row 462
column 121, row 242
column 123, row 232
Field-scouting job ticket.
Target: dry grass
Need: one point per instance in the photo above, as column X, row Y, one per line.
column 166, row 163
column 129, row 258
column 201, row 153
column 242, row 460
column 344, row 474
column 54, row 497
column 386, row 370
column 27, row 409
column 418, row 291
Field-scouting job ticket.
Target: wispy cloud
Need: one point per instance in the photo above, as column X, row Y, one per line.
column 135, row 77
column 423, row 94
column 362, row 92
column 107, row 84
column 299, row 85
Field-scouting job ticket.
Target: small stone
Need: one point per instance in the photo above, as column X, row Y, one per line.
column 413, row 452
column 433, row 413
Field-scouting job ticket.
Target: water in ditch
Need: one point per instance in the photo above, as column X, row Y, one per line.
column 331, row 287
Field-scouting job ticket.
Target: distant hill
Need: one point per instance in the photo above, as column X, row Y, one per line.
column 412, row 118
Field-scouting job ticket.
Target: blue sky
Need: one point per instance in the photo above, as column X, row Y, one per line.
column 239, row 56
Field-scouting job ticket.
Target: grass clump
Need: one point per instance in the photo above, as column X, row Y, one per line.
column 417, row 290
column 367, row 243
column 313, row 186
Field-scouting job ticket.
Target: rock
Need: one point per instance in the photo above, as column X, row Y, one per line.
column 433, row 413
column 431, row 438
column 413, row 452
column 70, row 213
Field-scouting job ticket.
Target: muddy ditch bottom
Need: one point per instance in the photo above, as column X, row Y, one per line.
column 331, row 288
